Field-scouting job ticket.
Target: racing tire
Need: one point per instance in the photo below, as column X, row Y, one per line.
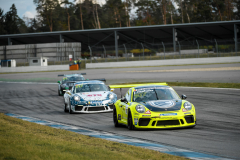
column 65, row 107
column 130, row 121
column 115, row 118
column 70, row 110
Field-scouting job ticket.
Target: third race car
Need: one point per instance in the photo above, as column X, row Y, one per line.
column 68, row 81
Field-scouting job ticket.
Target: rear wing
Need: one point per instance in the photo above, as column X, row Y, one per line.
column 61, row 75
column 88, row 80
column 103, row 79
column 136, row 85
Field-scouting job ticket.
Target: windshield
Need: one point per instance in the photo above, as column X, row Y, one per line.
column 73, row 78
column 158, row 93
column 90, row 88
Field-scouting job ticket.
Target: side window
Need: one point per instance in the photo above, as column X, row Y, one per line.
column 128, row 95
column 73, row 88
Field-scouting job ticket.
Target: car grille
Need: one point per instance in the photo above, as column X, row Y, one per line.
column 78, row 108
column 96, row 108
column 111, row 106
column 189, row 119
column 143, row 121
column 168, row 123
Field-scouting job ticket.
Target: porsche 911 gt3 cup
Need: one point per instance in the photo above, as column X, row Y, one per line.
column 155, row 106
column 89, row 97
column 67, row 82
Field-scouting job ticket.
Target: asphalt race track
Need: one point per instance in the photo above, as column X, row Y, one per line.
column 218, row 120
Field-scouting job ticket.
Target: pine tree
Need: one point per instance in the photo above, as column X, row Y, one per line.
column 2, row 22
column 11, row 19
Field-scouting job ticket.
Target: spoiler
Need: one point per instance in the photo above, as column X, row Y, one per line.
column 60, row 75
column 88, row 80
column 103, row 79
column 136, row 85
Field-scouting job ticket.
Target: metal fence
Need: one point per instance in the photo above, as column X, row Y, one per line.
column 58, row 53
column 189, row 48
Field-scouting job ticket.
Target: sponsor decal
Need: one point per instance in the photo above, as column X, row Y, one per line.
column 184, row 110
column 135, row 121
column 188, row 113
column 156, row 117
column 147, row 112
column 84, row 93
column 168, row 114
column 78, row 85
column 162, row 103
column 94, row 95
column 146, row 115
column 119, row 116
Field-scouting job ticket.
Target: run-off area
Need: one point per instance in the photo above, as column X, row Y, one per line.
column 216, row 133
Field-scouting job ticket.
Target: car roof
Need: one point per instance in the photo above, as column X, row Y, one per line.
column 90, row 82
column 151, row 86
column 71, row 75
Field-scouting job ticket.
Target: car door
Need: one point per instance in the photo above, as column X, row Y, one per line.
column 125, row 106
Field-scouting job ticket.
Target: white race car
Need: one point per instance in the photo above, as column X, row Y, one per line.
column 89, row 97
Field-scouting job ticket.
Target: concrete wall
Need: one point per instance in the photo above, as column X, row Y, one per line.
column 164, row 62
column 53, row 51
column 189, row 51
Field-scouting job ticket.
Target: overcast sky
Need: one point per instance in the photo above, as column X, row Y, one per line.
column 24, row 7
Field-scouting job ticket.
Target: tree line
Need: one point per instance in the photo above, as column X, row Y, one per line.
column 62, row 15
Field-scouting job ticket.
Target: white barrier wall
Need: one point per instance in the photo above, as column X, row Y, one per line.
column 53, row 51
column 189, row 51
column 164, row 62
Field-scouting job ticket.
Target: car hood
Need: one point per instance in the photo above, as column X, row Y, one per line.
column 163, row 105
column 94, row 96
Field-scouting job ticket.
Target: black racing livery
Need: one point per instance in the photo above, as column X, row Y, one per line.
column 68, row 81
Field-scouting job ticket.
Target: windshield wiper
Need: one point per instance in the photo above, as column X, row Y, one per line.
column 156, row 93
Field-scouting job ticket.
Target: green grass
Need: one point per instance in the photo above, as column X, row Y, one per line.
column 203, row 84
column 25, row 140
column 195, row 84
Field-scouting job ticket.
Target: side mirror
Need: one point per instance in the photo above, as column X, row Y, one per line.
column 184, row 96
column 59, row 82
column 124, row 100
column 112, row 89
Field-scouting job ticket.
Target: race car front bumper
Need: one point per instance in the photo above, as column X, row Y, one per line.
column 92, row 109
column 159, row 122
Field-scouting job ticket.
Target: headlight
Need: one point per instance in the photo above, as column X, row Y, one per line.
column 76, row 98
column 140, row 109
column 111, row 96
column 187, row 106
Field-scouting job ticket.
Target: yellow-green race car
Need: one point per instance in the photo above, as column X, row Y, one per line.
column 153, row 106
